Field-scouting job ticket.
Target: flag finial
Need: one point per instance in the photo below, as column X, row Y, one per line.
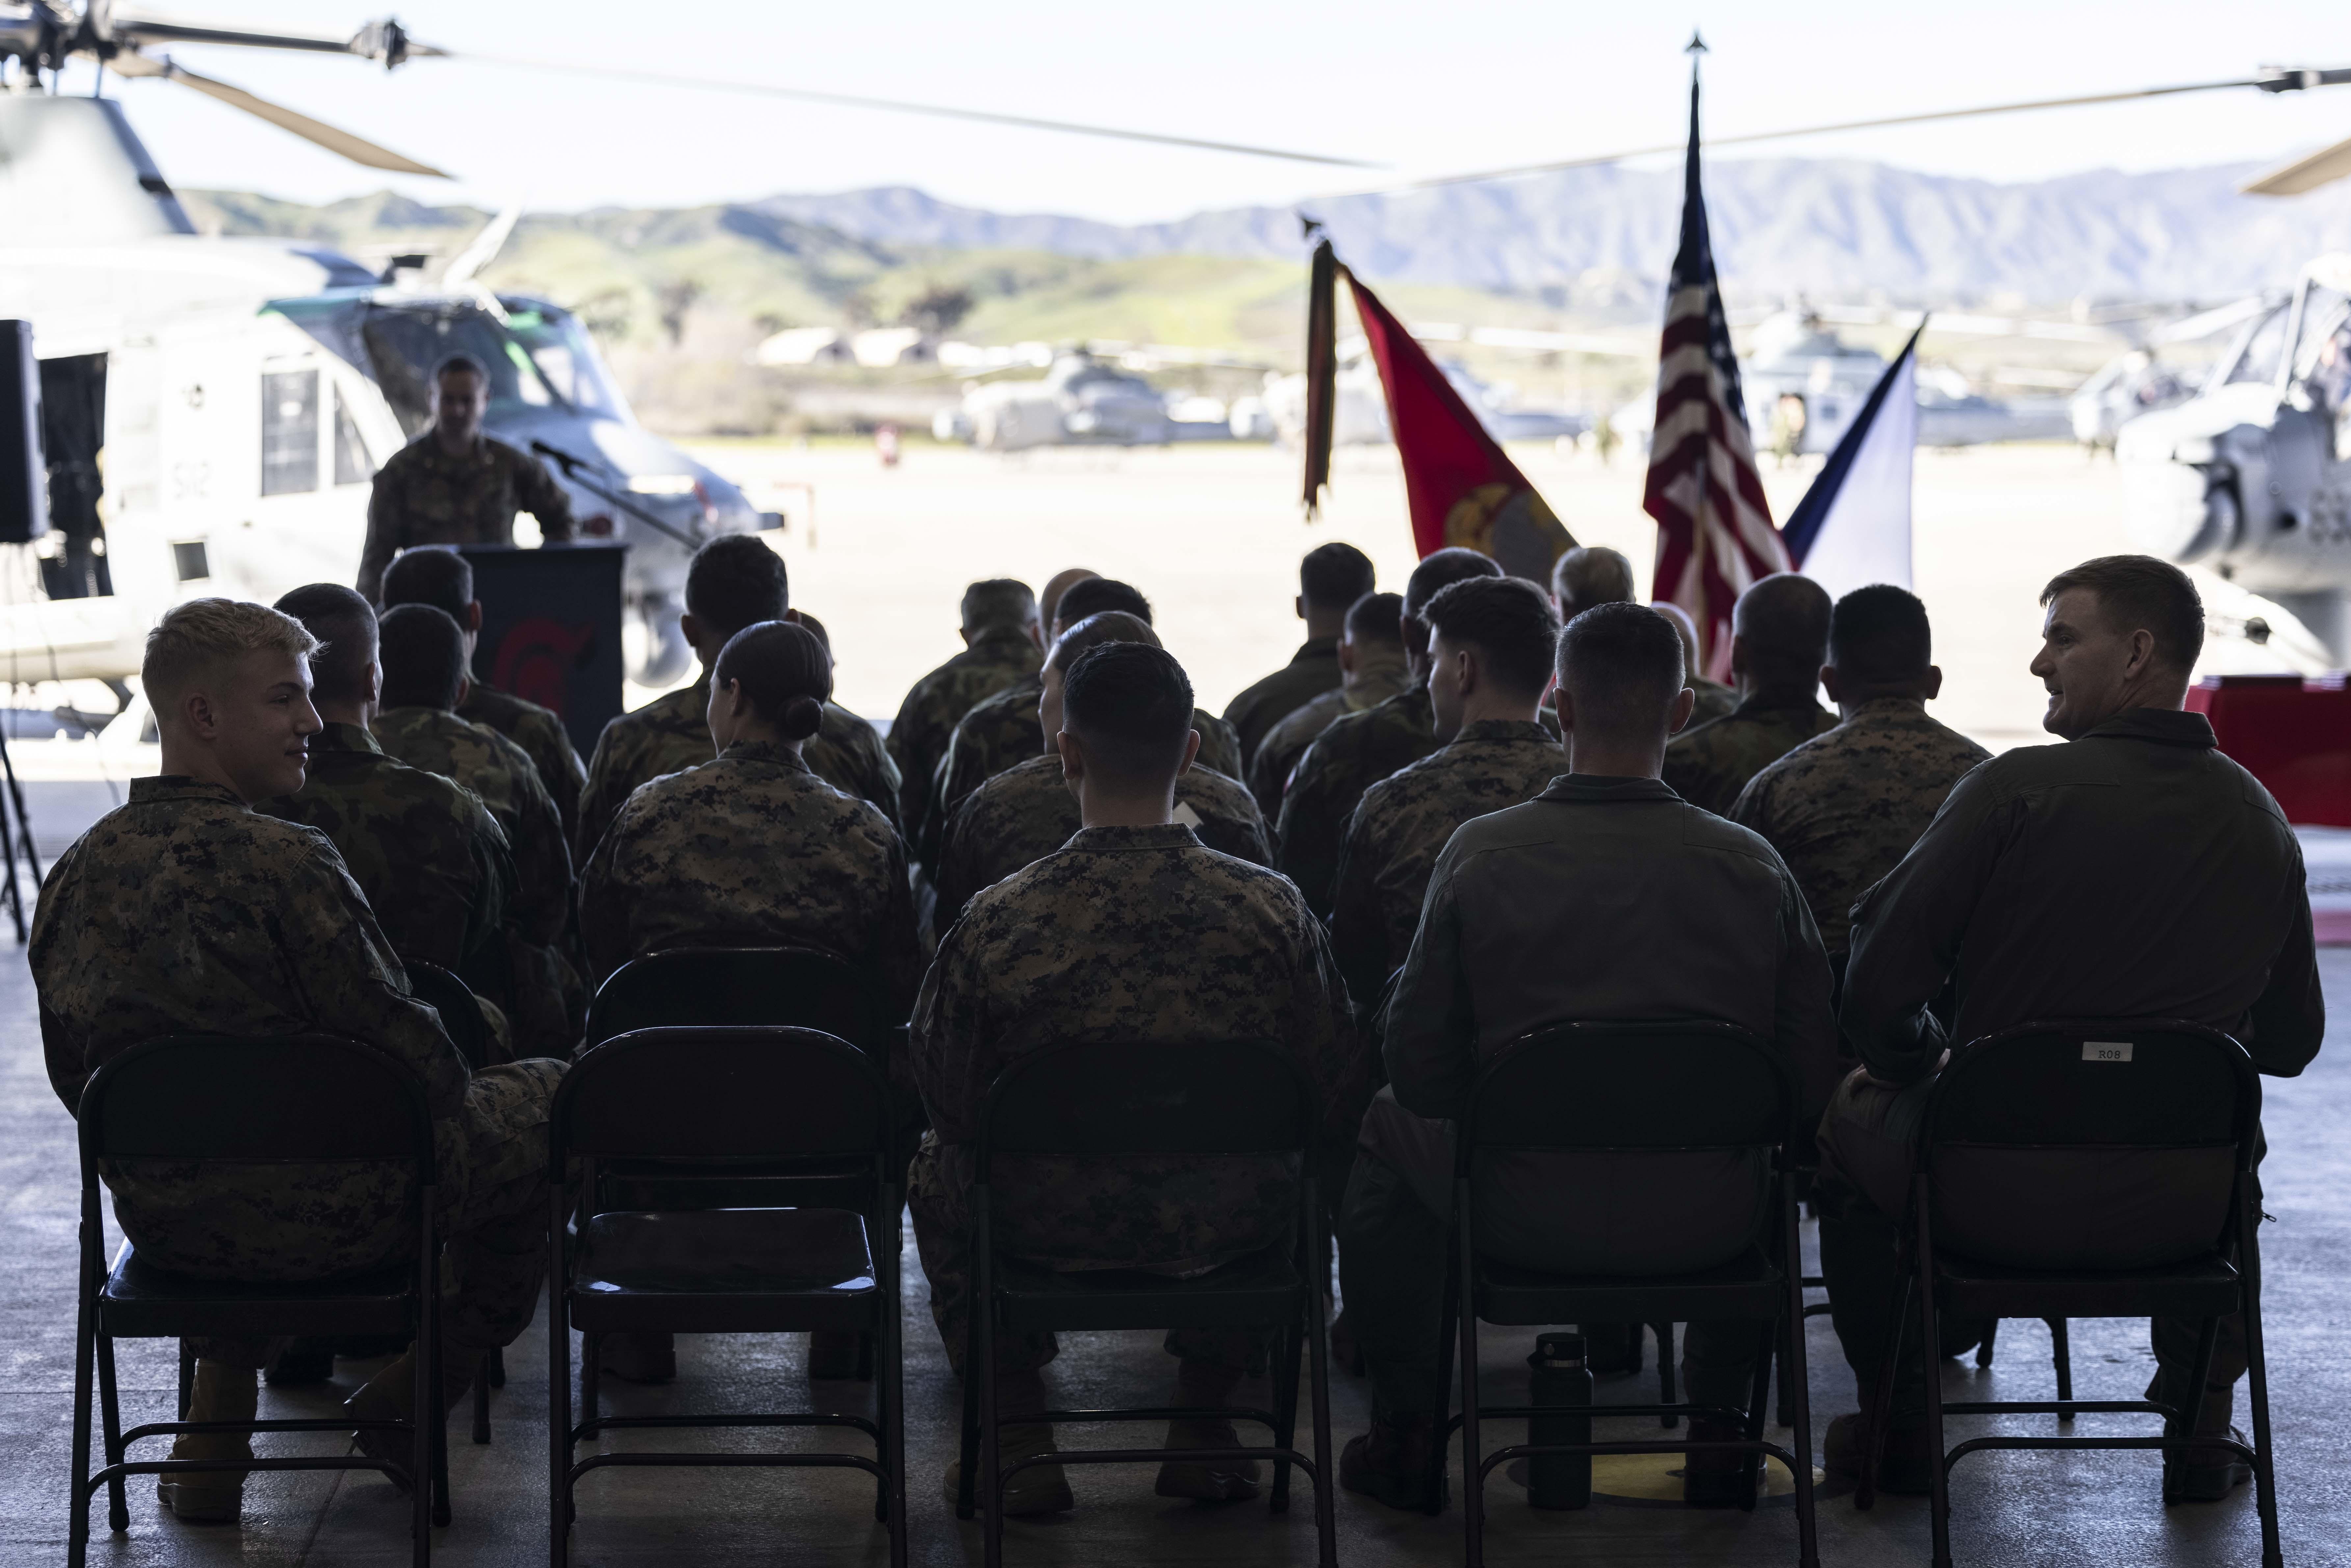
column 1696, row 45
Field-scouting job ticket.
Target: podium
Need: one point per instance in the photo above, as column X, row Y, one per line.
column 551, row 630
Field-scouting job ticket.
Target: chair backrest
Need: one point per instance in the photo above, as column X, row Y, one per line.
column 722, row 1092
column 802, row 986
column 293, row 1097
column 2102, row 1143
column 1676, row 1084
column 461, row 1014
column 1134, row 1097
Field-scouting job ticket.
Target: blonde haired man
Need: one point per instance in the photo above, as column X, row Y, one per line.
column 187, row 911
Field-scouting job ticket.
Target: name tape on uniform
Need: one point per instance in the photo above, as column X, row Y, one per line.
column 2106, row 1051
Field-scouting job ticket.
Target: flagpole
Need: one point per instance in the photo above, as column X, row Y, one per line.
column 1702, row 454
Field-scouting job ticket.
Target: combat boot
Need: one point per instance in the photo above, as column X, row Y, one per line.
column 220, row 1393
column 1717, row 1478
column 1206, row 1481
column 1390, row 1463
column 1904, row 1468
column 1039, row 1489
column 390, row 1396
column 2207, row 1475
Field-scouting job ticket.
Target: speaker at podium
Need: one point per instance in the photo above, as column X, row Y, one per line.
column 551, row 630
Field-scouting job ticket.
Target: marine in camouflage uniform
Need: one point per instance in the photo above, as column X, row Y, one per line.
column 1312, row 671
column 1843, row 808
column 1715, row 700
column 1709, row 765
column 1124, row 934
column 183, row 912
column 433, row 862
column 550, row 1003
column 1404, row 822
column 997, row 658
column 539, row 732
column 672, row 733
column 753, row 850
column 1277, row 754
column 1355, row 753
column 1025, row 813
column 1004, row 731
column 424, row 497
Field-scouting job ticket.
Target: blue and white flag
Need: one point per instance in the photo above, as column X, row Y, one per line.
column 1853, row 526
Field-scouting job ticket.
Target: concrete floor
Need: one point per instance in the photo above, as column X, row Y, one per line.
column 2011, row 1509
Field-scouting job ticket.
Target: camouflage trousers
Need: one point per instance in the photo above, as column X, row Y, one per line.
column 551, row 1002
column 493, row 1224
column 940, row 1203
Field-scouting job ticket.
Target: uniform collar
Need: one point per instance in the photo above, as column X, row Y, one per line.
column 1109, row 840
column 344, row 737
column 180, row 786
column 2165, row 727
column 1596, row 790
column 1315, row 648
column 1879, row 709
column 1503, row 732
column 1750, row 707
column 434, row 451
column 772, row 752
column 1002, row 640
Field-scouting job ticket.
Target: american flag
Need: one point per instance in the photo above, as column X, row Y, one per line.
column 1715, row 536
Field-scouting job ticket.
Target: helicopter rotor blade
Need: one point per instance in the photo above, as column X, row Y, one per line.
column 2322, row 167
column 385, row 40
column 901, row 106
column 334, row 138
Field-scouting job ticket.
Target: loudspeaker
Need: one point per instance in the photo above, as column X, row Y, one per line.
column 24, row 472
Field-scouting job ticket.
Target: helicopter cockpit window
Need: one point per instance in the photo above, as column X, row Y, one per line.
column 351, row 463
column 2256, row 359
column 289, row 432
column 2322, row 357
column 539, row 358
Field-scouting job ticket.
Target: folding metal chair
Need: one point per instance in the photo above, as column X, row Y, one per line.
column 2140, row 1134
column 1220, row 1099
column 1691, row 1087
column 703, row 1097
column 295, row 1098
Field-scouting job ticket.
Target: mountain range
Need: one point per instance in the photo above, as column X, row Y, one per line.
column 1827, row 229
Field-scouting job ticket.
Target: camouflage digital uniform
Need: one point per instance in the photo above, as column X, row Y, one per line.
column 1025, row 813
column 1124, row 934
column 433, row 862
column 539, row 732
column 1843, row 808
column 1356, row 752
column 672, row 733
column 1004, row 731
column 753, row 850
column 1708, row 764
column 550, row 1003
column 185, row 912
column 1278, row 753
column 424, row 497
column 997, row 658
column 1715, row 700
column 1404, row 822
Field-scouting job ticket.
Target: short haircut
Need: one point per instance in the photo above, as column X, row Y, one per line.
column 1620, row 667
column 1376, row 618
column 430, row 574
column 1096, row 594
column 2138, row 592
column 1784, row 619
column 785, row 671
column 1878, row 637
column 1129, row 706
column 423, row 655
column 1507, row 619
column 1110, row 626
column 1334, row 576
column 201, row 641
column 1443, row 569
column 735, row 581
column 344, row 624
column 1595, row 575
column 461, row 364
column 1001, row 603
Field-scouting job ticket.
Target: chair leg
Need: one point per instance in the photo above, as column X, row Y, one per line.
column 864, row 1369
column 497, row 1378
column 1447, row 1330
column 2249, row 1267
column 440, row 1435
column 85, row 1335
column 1473, row 1511
column 1758, row 1400
column 117, row 1511
column 1318, row 1394
column 2061, row 1353
column 1796, row 1391
column 1881, row 1392
column 1984, row 1351
column 1938, row 1494
column 890, row 1386
column 558, row 1390
column 482, row 1399
column 423, row 1401
column 968, row 1482
column 983, row 1308
column 1666, row 1369
column 591, row 1375
column 187, row 1379
column 1783, row 1412
column 1285, row 1408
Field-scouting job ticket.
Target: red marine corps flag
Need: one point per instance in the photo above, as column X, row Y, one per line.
column 1714, row 528
column 1461, row 487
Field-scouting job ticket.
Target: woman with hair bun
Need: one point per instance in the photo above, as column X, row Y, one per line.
column 753, row 850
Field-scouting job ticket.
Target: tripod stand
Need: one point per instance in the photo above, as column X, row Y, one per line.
column 15, row 837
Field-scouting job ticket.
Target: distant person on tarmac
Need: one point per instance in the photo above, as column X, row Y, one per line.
column 454, row 485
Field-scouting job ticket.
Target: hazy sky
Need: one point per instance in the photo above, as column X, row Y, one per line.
column 1426, row 88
